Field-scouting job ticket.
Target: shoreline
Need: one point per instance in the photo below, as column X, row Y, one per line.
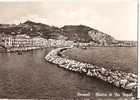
column 117, row 78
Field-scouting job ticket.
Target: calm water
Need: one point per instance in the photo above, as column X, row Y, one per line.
column 30, row 76
column 118, row 58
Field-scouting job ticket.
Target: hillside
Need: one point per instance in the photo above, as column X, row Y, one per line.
column 77, row 33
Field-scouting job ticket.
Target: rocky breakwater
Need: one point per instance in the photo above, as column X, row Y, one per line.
column 115, row 77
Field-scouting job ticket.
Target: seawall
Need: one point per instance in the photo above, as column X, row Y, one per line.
column 115, row 77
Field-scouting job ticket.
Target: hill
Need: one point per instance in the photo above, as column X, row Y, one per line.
column 77, row 33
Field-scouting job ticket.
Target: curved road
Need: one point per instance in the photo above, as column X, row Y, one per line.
column 30, row 76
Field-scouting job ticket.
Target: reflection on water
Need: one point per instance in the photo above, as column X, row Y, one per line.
column 30, row 76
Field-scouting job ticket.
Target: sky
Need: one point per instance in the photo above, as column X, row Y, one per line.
column 117, row 18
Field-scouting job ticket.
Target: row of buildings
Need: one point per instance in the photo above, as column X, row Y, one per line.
column 24, row 41
column 10, row 41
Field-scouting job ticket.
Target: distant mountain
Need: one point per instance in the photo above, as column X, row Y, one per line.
column 77, row 33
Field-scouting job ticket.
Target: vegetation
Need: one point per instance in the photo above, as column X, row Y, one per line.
column 76, row 33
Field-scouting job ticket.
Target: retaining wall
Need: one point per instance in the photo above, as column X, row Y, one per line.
column 118, row 78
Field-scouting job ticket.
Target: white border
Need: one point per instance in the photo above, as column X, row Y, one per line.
column 21, row 0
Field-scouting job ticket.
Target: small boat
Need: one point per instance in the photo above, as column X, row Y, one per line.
column 84, row 47
column 19, row 53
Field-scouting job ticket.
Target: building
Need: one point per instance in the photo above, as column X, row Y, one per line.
column 6, row 41
column 21, row 41
column 11, row 41
column 39, row 42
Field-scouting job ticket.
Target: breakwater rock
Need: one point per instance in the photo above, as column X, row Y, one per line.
column 118, row 78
